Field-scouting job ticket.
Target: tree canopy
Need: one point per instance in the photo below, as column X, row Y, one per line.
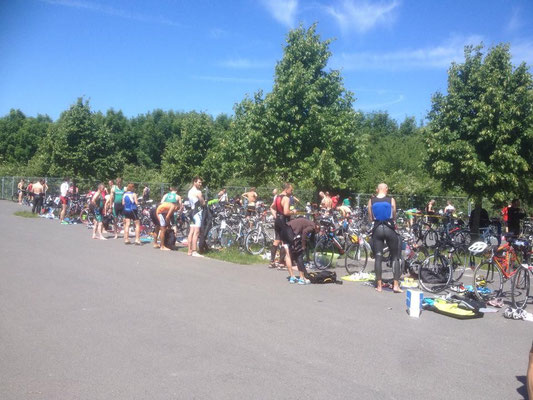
column 480, row 135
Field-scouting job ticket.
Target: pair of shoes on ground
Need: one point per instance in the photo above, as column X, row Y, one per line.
column 299, row 281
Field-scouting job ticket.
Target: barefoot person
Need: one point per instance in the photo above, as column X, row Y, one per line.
column 382, row 213
column 64, row 200
column 281, row 211
column 130, row 203
column 98, row 205
column 20, row 188
column 196, row 201
column 251, row 197
column 161, row 218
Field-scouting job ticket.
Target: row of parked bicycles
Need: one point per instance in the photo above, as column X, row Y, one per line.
column 438, row 254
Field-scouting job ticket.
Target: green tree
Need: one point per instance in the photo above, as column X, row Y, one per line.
column 184, row 155
column 305, row 129
column 480, row 135
column 79, row 146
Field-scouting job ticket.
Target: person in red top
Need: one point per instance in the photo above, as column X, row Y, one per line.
column 505, row 216
column 335, row 201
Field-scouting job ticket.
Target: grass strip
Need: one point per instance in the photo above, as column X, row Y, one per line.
column 233, row 255
column 25, row 214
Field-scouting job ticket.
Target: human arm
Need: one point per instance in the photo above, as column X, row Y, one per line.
column 393, row 204
column 369, row 208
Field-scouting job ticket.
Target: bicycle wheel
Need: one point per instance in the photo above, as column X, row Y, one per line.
column 460, row 259
column 520, row 288
column 255, row 242
column 323, row 256
column 356, row 258
column 462, row 238
column 431, row 238
column 86, row 216
column 227, row 237
column 488, row 281
column 183, row 227
column 435, row 274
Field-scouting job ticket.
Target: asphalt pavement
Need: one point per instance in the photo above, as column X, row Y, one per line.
column 91, row 319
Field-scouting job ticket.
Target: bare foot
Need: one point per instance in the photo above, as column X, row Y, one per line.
column 156, row 246
column 164, row 248
column 94, row 237
column 115, row 237
column 397, row 290
column 102, row 238
column 378, row 289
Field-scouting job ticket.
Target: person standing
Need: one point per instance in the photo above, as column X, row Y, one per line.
column 130, row 204
column 251, row 197
column 63, row 189
column 117, row 193
column 223, row 196
column 514, row 215
column 449, row 209
column 280, row 209
column 98, row 205
column 196, row 201
column 38, row 189
column 382, row 213
column 20, row 188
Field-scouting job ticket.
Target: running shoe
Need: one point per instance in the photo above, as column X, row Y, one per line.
column 303, row 281
column 293, row 279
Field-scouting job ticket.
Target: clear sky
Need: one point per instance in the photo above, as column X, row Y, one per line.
column 206, row 55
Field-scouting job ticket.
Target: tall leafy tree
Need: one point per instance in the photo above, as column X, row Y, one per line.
column 480, row 135
column 184, row 156
column 305, row 130
column 78, row 146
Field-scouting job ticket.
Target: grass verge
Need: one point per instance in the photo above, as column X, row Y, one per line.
column 235, row 256
column 25, row 214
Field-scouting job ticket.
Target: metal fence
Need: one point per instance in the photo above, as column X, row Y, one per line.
column 9, row 185
column 462, row 204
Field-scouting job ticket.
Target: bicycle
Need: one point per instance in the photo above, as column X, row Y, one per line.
column 520, row 286
column 328, row 244
column 504, row 262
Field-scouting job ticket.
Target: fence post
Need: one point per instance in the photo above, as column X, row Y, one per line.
column 12, row 186
column 2, row 187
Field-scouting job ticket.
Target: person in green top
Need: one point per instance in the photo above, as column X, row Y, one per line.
column 117, row 193
column 345, row 208
column 174, row 198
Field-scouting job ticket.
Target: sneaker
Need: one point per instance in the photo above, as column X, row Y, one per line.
column 196, row 254
column 303, row 281
column 293, row 279
column 64, row 223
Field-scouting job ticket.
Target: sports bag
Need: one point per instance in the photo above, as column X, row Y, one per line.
column 322, row 277
column 170, row 239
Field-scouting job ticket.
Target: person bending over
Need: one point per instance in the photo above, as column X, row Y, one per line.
column 382, row 213
column 301, row 227
column 163, row 215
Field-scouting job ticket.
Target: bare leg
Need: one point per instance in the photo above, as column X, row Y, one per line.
column 191, row 243
column 101, row 230
column 137, row 231
column 396, row 287
column 163, row 234
column 95, row 227
column 379, row 285
column 127, row 230
column 288, row 261
column 63, row 212
column 156, row 234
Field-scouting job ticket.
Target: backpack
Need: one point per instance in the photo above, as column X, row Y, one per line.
column 170, row 239
column 322, row 277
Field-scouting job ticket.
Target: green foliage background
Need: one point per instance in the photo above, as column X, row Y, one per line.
column 479, row 140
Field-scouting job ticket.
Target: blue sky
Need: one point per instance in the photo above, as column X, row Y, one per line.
column 206, row 55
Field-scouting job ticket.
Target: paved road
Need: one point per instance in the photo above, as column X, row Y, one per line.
column 86, row 319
